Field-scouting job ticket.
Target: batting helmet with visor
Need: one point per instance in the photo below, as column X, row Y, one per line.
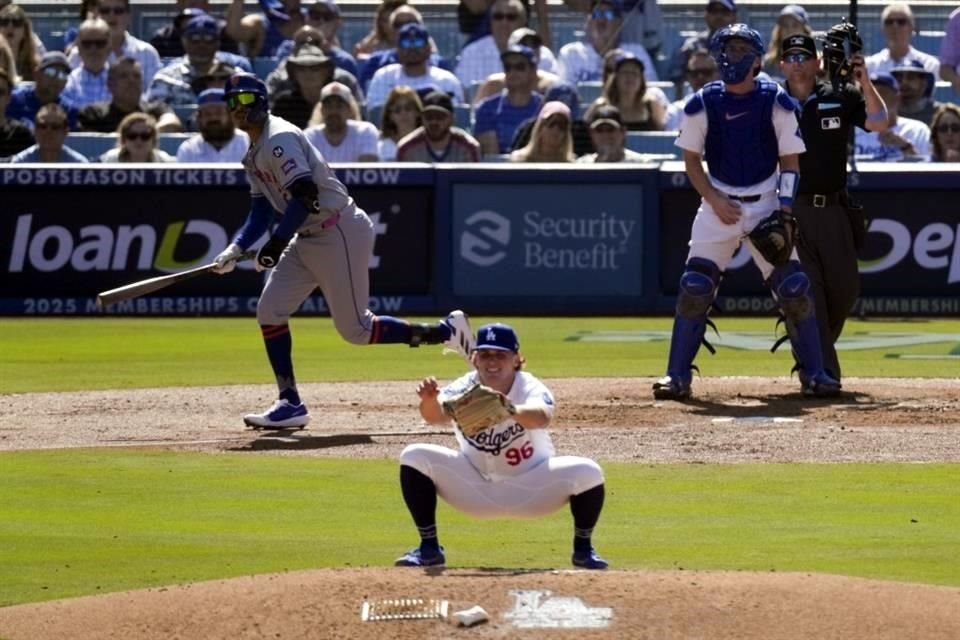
column 247, row 90
column 735, row 71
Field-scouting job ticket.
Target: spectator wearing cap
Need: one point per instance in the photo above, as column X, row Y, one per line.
column 166, row 39
column 323, row 22
column 279, row 79
column 950, row 51
column 51, row 79
column 310, row 69
column 438, row 140
column 218, row 140
column 87, row 83
column 898, row 28
column 609, row 137
column 262, row 33
column 701, row 69
column 116, row 16
column 414, row 68
column 481, row 58
column 905, row 139
column 791, row 21
column 337, row 131
column 399, row 18
column 916, row 91
column 642, row 108
column 498, row 117
column 51, row 132
column 401, row 115
column 642, row 22
column 583, row 61
column 14, row 135
column 551, row 139
column 716, row 15
column 124, row 82
column 546, row 70
column 180, row 82
column 566, row 94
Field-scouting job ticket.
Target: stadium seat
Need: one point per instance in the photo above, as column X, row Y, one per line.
column 944, row 92
column 589, row 90
column 659, row 142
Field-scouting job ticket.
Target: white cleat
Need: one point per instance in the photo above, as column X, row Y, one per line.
column 282, row 415
column 461, row 337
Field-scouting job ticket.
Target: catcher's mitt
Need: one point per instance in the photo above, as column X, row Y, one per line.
column 478, row 408
column 775, row 236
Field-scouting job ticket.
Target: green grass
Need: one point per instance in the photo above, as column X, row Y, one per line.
column 93, row 521
column 61, row 354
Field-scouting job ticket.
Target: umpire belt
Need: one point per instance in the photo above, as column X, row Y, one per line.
column 818, row 200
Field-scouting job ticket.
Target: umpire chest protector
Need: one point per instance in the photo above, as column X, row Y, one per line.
column 741, row 147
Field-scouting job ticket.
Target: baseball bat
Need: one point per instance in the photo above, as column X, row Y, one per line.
column 143, row 287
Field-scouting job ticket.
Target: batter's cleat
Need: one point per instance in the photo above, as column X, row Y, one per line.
column 461, row 338
column 422, row 557
column 668, row 388
column 282, row 415
column 589, row 560
column 820, row 385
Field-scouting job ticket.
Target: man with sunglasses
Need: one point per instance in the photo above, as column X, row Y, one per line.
column 898, row 27
column 413, row 69
column 166, row 40
column 499, row 116
column 323, row 239
column 716, row 15
column 828, row 115
column 87, row 83
column 323, row 22
column 701, row 69
column 124, row 81
column 583, row 61
column 116, row 15
column 51, row 132
column 51, row 79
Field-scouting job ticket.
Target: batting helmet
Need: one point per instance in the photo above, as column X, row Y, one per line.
column 246, row 83
column 734, row 72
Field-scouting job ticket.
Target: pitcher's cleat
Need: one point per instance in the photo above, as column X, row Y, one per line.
column 461, row 338
column 420, row 557
column 282, row 415
column 820, row 385
column 669, row 388
column 589, row 560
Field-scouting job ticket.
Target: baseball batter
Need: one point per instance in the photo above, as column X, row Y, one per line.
column 507, row 470
column 323, row 239
column 746, row 129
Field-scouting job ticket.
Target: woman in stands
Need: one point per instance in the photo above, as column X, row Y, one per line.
column 137, row 141
column 643, row 108
column 945, row 133
column 402, row 113
column 17, row 29
column 378, row 38
column 7, row 64
column 551, row 139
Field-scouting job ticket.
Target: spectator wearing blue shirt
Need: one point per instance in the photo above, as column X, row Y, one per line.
column 88, row 82
column 323, row 17
column 401, row 16
column 51, row 78
column 498, row 117
column 166, row 40
column 51, row 132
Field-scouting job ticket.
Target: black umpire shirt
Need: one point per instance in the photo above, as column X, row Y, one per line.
column 825, row 122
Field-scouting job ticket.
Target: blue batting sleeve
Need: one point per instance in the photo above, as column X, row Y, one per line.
column 258, row 220
column 293, row 217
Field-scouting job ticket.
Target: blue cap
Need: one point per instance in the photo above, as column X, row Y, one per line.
column 210, row 95
column 202, row 24
column 413, row 30
column 727, row 4
column 497, row 336
column 533, row 57
column 885, row 79
column 565, row 93
column 795, row 11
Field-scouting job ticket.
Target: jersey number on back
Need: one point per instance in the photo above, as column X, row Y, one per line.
column 516, row 455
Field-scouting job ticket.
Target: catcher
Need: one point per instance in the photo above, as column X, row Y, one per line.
column 506, row 464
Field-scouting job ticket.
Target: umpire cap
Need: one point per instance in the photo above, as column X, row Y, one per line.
column 497, row 336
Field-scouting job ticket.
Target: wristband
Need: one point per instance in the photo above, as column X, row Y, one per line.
column 880, row 116
column 787, row 186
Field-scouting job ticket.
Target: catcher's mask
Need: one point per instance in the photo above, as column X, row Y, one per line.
column 840, row 44
column 736, row 71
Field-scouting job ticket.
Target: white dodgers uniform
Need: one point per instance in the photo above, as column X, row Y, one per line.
column 332, row 247
column 504, row 470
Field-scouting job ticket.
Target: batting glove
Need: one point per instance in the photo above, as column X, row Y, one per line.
column 269, row 254
column 227, row 259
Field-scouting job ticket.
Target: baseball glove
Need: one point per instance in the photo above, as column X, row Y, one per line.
column 478, row 408
column 775, row 236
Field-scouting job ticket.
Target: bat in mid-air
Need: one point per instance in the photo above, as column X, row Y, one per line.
column 143, row 287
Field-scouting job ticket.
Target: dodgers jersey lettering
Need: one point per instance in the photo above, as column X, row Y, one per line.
column 282, row 155
column 506, row 449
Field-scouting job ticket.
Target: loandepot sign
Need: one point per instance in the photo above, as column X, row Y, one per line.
column 762, row 341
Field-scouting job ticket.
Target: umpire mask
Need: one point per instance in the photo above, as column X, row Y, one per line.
column 840, row 44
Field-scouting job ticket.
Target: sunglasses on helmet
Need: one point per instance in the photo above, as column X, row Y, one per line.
column 244, row 99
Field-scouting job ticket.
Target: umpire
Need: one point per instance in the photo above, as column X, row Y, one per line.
column 830, row 235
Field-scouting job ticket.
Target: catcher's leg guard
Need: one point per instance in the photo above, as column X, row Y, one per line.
column 698, row 287
column 791, row 288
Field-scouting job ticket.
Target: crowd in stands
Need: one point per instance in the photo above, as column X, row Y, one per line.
column 512, row 92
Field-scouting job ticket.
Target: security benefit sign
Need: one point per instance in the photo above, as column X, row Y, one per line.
column 546, row 240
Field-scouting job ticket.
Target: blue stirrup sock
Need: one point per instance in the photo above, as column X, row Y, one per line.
column 279, row 344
